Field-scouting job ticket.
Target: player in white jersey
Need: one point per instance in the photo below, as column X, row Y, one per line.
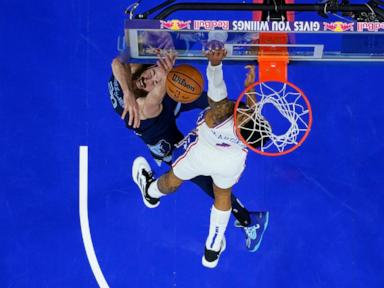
column 215, row 151
column 212, row 149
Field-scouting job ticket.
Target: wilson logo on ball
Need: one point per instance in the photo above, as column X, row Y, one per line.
column 184, row 83
column 177, row 79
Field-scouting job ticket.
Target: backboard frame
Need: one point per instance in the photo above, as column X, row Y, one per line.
column 299, row 33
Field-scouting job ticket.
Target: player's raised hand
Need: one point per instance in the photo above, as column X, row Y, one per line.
column 249, row 80
column 166, row 61
column 250, row 77
column 131, row 107
column 215, row 56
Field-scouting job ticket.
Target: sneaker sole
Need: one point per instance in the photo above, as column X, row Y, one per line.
column 135, row 169
column 213, row 264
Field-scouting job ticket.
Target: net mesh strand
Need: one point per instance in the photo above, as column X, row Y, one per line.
column 288, row 102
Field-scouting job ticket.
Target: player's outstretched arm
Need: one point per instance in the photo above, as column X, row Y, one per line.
column 250, row 76
column 221, row 107
column 165, row 64
column 123, row 75
column 155, row 97
column 249, row 80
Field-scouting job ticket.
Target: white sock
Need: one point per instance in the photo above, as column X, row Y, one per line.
column 218, row 224
column 154, row 191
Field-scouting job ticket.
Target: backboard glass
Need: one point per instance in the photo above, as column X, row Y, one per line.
column 307, row 40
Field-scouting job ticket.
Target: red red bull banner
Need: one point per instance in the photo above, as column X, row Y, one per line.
column 175, row 24
column 370, row 26
column 258, row 26
column 338, row 26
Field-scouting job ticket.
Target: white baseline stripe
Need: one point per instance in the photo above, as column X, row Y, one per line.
column 84, row 223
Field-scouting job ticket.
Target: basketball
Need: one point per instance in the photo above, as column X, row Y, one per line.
column 184, row 83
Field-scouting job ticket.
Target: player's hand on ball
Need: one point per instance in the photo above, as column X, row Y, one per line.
column 166, row 61
column 216, row 56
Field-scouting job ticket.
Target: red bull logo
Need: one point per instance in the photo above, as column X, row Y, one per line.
column 210, row 24
column 370, row 26
column 338, row 26
column 175, row 24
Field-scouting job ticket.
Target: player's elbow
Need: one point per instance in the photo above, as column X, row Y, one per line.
column 115, row 62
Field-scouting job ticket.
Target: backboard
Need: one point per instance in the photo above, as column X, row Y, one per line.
column 306, row 41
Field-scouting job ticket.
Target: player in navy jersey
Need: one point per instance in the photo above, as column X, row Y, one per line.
column 138, row 95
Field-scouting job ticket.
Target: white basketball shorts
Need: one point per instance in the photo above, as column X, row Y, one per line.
column 194, row 157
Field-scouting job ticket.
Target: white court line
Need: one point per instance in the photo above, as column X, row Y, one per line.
column 84, row 223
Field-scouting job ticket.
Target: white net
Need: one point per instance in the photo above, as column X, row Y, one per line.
column 258, row 127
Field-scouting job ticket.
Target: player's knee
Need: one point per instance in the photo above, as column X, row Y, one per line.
column 222, row 191
column 115, row 62
column 169, row 183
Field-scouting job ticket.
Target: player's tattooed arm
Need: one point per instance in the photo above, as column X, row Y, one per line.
column 222, row 110
column 219, row 112
column 221, row 107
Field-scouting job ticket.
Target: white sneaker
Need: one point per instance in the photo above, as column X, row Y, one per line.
column 143, row 177
column 211, row 258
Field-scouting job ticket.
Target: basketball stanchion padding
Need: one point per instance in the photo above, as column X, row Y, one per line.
column 184, row 83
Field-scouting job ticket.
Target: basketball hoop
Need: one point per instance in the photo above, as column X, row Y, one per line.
column 276, row 117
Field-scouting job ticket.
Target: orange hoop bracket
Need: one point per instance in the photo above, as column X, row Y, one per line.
column 273, row 60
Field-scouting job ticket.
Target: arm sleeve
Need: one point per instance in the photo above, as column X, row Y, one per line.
column 217, row 90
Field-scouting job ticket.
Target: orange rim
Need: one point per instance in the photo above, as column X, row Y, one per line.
column 273, row 154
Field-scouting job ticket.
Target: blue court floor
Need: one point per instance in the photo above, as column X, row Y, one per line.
column 325, row 199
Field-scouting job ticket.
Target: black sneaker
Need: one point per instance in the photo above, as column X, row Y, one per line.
column 211, row 258
column 143, row 177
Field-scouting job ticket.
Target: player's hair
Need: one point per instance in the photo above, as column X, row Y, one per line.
column 139, row 93
column 256, row 132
